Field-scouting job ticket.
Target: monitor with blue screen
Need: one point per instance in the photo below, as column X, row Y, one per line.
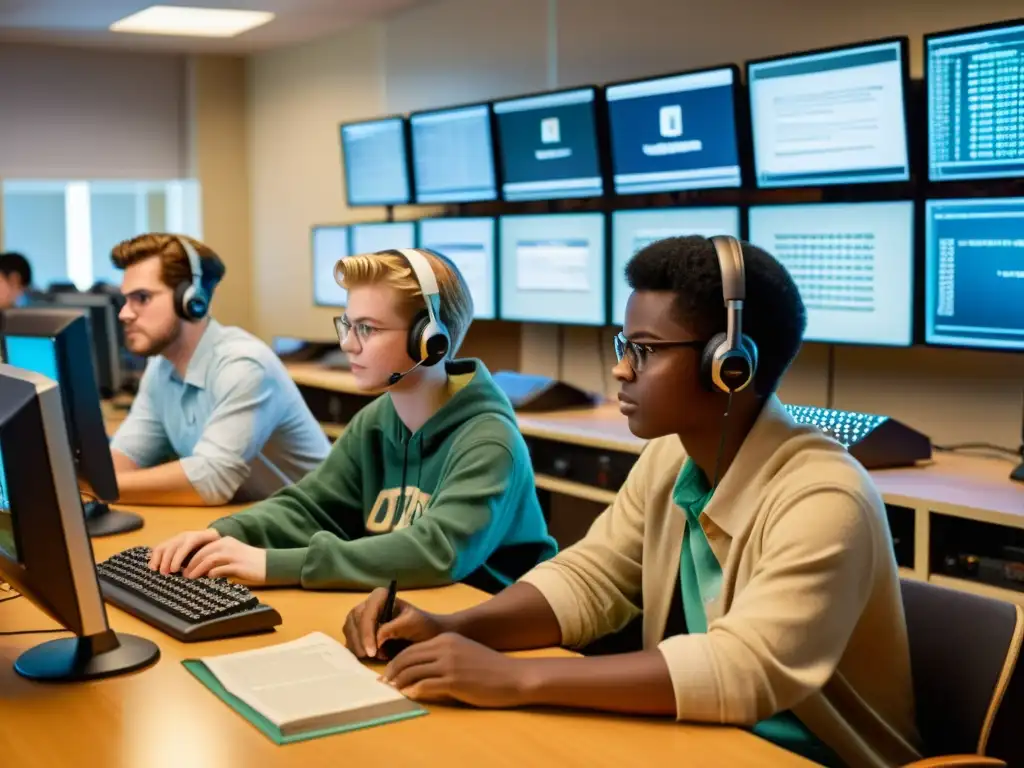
column 370, row 238
column 974, row 273
column 376, row 162
column 836, row 116
column 634, row 230
column 549, row 146
column 470, row 243
column 674, row 133
column 330, row 244
column 553, row 268
column 453, row 155
column 975, row 82
column 8, row 545
column 853, row 264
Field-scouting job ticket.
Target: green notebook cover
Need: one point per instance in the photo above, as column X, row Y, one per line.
column 271, row 731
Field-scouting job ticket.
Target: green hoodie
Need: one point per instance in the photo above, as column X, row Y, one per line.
column 453, row 502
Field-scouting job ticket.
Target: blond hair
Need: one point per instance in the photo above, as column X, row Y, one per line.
column 390, row 268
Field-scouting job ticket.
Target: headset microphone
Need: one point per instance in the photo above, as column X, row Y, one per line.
column 396, row 377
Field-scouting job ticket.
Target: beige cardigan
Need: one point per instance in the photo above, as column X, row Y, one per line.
column 810, row 616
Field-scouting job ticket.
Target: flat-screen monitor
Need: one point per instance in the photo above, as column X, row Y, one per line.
column 835, row 116
column 453, row 155
column 470, row 243
column 635, row 230
column 103, row 326
column 853, row 264
column 376, row 162
column 974, row 273
column 55, row 343
column 975, row 82
column 553, row 268
column 329, row 244
column 384, row 236
column 549, row 145
column 675, row 132
column 44, row 550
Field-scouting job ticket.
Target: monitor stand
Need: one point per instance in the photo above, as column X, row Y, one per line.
column 74, row 659
column 101, row 520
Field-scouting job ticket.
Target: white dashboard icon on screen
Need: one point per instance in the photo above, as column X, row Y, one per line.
column 550, row 130
column 671, row 119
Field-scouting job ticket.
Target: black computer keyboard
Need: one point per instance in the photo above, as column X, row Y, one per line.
column 186, row 609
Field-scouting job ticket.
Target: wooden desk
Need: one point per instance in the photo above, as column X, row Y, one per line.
column 163, row 718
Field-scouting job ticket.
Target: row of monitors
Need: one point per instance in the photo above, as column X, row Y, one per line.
column 835, row 116
column 854, row 263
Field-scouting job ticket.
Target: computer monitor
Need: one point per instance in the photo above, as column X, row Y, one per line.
column 55, row 343
column 383, row 236
column 376, row 160
column 470, row 243
column 974, row 273
column 329, row 245
column 104, row 330
column 835, row 116
column 548, row 145
column 635, row 230
column 853, row 264
column 553, row 268
column 453, row 155
column 44, row 551
column 675, row 132
column 975, row 84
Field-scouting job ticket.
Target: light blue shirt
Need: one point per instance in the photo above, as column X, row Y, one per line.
column 237, row 422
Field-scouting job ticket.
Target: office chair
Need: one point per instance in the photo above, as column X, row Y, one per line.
column 968, row 676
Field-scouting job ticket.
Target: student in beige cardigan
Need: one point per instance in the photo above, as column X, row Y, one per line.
column 806, row 625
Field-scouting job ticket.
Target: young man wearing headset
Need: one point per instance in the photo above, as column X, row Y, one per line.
column 430, row 484
column 755, row 551
column 216, row 417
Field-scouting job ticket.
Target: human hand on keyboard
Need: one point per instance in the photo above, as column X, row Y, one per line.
column 177, row 552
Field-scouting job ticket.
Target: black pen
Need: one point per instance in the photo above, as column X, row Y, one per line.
column 391, row 647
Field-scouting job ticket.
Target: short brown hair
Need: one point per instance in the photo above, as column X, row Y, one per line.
column 388, row 267
column 174, row 266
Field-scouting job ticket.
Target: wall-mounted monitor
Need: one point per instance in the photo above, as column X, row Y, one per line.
column 835, row 116
column 975, row 81
column 974, row 273
column 371, row 237
column 553, row 268
column 471, row 244
column 853, row 264
column 376, row 162
column 329, row 244
column 674, row 133
column 453, row 155
column 635, row 230
column 548, row 145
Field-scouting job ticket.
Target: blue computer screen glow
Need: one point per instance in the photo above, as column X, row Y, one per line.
column 549, row 146
column 674, row 133
column 976, row 104
column 470, row 244
column 370, row 238
column 330, row 245
column 834, row 117
column 633, row 230
column 853, row 264
column 8, row 548
column 376, row 166
column 453, row 155
column 974, row 273
column 553, row 268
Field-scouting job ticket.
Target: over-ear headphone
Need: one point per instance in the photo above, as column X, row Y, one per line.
column 729, row 360
column 429, row 341
column 190, row 299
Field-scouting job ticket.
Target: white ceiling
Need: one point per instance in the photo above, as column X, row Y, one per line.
column 86, row 22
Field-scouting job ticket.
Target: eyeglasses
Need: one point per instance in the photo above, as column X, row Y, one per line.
column 364, row 331
column 636, row 354
column 140, row 299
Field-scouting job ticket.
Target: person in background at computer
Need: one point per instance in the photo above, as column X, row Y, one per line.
column 216, row 417
column 430, row 484
column 770, row 601
column 15, row 279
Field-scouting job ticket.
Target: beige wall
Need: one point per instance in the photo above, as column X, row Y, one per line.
column 455, row 51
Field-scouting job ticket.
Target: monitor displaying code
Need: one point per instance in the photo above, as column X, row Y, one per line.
column 853, row 264
column 453, row 155
column 974, row 273
column 330, row 245
column 376, row 164
column 469, row 243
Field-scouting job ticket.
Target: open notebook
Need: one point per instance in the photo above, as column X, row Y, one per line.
column 302, row 689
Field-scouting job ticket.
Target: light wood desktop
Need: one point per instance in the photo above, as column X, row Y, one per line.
column 162, row 717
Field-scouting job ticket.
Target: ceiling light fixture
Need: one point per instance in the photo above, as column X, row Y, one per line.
column 194, row 22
